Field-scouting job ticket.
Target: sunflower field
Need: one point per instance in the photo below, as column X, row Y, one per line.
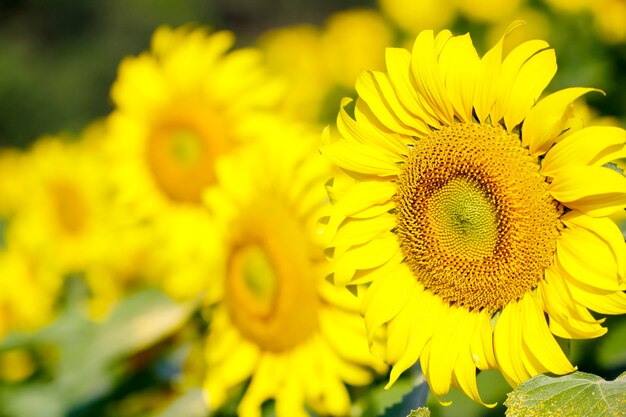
column 259, row 208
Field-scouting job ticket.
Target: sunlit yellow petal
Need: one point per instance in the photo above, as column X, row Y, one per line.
column 596, row 191
column 586, row 258
column 507, row 341
column 460, row 80
column 532, row 78
column 540, row 341
column 397, row 286
column 427, row 76
column 398, row 66
column 605, row 230
column 583, row 147
column 363, row 195
column 546, row 119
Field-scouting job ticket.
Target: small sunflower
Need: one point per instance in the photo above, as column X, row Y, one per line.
column 279, row 321
column 179, row 108
column 479, row 219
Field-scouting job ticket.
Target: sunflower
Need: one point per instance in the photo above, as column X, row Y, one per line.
column 179, row 108
column 478, row 218
column 60, row 219
column 279, row 321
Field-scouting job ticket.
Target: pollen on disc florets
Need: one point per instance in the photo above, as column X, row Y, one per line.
column 476, row 223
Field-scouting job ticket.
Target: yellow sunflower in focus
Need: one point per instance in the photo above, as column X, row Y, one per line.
column 179, row 108
column 481, row 225
column 279, row 321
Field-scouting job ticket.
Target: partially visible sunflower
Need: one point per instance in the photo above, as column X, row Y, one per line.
column 61, row 216
column 279, row 321
column 179, row 108
column 469, row 206
column 318, row 63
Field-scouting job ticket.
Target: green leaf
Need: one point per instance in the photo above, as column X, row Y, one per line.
column 420, row 412
column 576, row 394
column 90, row 354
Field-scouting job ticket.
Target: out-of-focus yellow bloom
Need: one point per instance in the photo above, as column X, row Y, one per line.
column 294, row 53
column 610, row 19
column 279, row 321
column 352, row 41
column 454, row 209
column 489, row 10
column 179, row 108
column 414, row 16
column 61, row 211
column 317, row 62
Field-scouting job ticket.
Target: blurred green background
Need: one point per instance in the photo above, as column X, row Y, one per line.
column 58, row 58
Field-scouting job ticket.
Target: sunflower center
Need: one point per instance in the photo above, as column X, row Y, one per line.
column 270, row 290
column 464, row 218
column 181, row 152
column 476, row 223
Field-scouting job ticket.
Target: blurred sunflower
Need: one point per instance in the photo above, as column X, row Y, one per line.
column 60, row 219
column 279, row 321
column 179, row 108
column 471, row 208
column 320, row 64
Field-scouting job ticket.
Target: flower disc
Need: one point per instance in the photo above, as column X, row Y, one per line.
column 475, row 220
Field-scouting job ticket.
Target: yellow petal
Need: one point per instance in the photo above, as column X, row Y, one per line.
column 377, row 134
column 510, row 68
column 345, row 333
column 398, row 67
column 361, row 158
column 481, row 346
column 264, row 385
column 507, row 343
column 585, row 258
column 290, row 398
column 568, row 319
column 452, row 336
column 357, row 232
column 363, row 132
column 489, row 77
column 583, row 148
column 533, row 77
column 539, row 340
column 363, row 195
column 545, row 122
column 369, row 255
column 427, row 76
column 460, row 80
column 604, row 229
column 376, row 90
column 465, row 378
column 397, row 286
column 410, row 330
column 596, row 191
column 602, row 302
